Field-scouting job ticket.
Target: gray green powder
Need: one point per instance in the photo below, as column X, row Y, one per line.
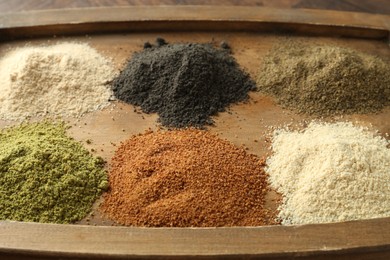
column 325, row 80
column 46, row 176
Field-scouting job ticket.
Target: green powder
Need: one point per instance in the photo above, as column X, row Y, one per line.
column 46, row 176
column 325, row 80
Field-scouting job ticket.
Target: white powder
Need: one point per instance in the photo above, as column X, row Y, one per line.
column 67, row 79
column 330, row 173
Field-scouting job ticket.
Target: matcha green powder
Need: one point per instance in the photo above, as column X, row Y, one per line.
column 46, row 176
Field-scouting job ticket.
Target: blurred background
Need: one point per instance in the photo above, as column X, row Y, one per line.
column 369, row 6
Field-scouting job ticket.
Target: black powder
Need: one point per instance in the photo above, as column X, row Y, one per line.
column 184, row 83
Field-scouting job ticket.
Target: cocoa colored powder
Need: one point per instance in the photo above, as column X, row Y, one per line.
column 186, row 178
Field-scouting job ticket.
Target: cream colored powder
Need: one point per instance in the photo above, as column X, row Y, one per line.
column 67, row 79
column 330, row 173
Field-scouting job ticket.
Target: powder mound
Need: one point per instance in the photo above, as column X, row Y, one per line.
column 330, row 173
column 325, row 80
column 184, row 83
column 185, row 178
column 67, row 79
column 46, row 176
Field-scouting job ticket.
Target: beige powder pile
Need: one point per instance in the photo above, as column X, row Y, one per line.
column 67, row 79
column 330, row 173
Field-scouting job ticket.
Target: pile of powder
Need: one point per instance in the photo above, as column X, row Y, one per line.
column 330, row 173
column 325, row 80
column 184, row 83
column 46, row 176
column 186, row 178
column 67, row 79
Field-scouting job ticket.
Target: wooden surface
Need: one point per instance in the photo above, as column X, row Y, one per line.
column 369, row 239
column 369, row 6
column 193, row 18
column 364, row 239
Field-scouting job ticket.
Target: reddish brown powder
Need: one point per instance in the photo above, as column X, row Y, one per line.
column 185, row 178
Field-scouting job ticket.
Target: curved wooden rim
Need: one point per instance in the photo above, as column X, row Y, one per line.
column 82, row 241
column 185, row 18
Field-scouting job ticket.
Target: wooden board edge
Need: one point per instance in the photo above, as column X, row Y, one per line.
column 376, row 253
column 366, row 236
column 188, row 18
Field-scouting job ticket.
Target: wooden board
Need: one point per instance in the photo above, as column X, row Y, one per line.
column 193, row 18
column 117, row 33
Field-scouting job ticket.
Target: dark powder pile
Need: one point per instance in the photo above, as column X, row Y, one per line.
column 186, row 178
column 184, row 83
column 46, row 176
column 325, row 80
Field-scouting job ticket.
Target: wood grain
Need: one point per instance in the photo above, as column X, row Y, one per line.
column 189, row 18
column 363, row 237
column 370, row 6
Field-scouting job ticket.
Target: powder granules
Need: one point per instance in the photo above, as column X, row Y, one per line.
column 185, row 178
column 184, row 83
column 330, row 173
column 67, row 79
column 325, row 80
column 46, row 176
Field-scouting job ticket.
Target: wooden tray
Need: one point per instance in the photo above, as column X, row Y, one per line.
column 251, row 32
